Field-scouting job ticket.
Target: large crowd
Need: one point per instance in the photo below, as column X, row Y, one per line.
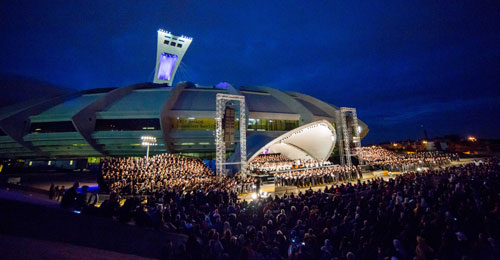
column 272, row 163
column 439, row 213
column 307, row 177
column 444, row 213
column 163, row 173
column 379, row 158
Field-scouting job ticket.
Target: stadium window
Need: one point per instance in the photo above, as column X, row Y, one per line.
column 172, row 43
column 52, row 127
column 291, row 124
column 272, row 125
column 139, row 124
column 179, row 45
column 166, row 42
column 179, row 123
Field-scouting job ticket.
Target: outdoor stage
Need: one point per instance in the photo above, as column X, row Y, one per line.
column 67, row 180
column 271, row 190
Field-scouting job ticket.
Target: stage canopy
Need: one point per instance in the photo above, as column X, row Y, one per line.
column 315, row 140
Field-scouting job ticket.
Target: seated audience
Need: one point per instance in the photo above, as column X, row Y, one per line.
column 379, row 158
column 439, row 213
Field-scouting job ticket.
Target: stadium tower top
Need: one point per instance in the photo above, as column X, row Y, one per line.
column 170, row 51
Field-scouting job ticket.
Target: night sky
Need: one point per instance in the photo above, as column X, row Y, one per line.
column 402, row 64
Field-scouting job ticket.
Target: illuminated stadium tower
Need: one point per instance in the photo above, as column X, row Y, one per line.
column 171, row 49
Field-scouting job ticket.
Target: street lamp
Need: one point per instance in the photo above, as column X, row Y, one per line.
column 148, row 141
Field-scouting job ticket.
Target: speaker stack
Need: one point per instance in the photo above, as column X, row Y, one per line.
column 228, row 125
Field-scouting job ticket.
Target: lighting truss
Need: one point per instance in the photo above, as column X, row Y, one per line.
column 220, row 146
column 347, row 133
column 339, row 127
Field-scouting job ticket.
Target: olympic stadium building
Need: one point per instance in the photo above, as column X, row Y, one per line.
column 110, row 122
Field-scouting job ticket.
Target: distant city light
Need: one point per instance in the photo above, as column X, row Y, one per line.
column 472, row 138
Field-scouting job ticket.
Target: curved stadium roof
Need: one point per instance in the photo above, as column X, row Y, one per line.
column 110, row 122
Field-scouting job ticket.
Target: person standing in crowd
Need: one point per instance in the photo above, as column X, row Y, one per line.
column 57, row 192
column 70, row 197
column 52, row 191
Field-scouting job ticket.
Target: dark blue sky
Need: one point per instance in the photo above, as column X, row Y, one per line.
column 402, row 64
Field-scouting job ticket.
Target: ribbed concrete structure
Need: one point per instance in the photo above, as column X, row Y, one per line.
column 110, row 122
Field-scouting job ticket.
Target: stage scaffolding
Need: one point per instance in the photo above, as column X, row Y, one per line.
column 221, row 101
column 345, row 141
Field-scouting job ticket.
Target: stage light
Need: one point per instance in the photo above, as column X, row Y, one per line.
column 148, row 141
column 254, row 196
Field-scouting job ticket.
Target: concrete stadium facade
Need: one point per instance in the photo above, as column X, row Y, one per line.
column 110, row 122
